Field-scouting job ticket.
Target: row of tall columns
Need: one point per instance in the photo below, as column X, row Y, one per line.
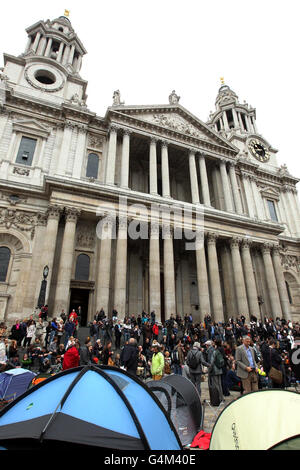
column 42, row 45
column 153, row 173
column 208, row 276
column 208, row 270
column 227, row 189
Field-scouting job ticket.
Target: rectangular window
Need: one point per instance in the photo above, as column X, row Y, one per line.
column 26, row 151
column 272, row 210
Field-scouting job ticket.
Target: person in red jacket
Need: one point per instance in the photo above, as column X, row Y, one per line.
column 155, row 331
column 71, row 357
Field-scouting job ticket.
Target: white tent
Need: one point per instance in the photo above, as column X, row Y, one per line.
column 259, row 421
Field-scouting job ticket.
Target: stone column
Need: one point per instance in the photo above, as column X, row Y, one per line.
column 71, row 55
column 283, row 295
column 226, row 125
column 48, row 48
column 103, row 276
column 249, row 278
column 226, row 186
column 62, row 294
column 111, row 156
column 165, row 170
column 193, row 178
column 65, row 148
column 214, row 277
column 80, row 151
column 154, row 271
column 204, row 180
column 238, row 275
column 248, row 191
column 22, row 282
column 36, row 42
column 49, row 245
column 125, row 159
column 291, row 207
column 42, row 46
column 235, row 118
column 153, row 167
column 235, row 188
column 121, row 269
column 36, row 268
column 66, row 55
column 257, row 198
column 60, row 52
column 296, row 211
column 271, row 281
column 202, row 282
column 169, row 272
column 286, row 213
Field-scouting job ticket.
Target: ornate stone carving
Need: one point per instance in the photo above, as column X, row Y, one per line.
column 246, row 243
column 72, row 214
column 235, row 243
column 24, row 221
column 75, row 100
column 289, row 261
column 212, row 238
column 54, row 212
column 178, row 124
column 95, row 141
column 21, row 171
column 85, row 237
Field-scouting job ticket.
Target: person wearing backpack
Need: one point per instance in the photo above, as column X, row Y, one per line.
column 195, row 360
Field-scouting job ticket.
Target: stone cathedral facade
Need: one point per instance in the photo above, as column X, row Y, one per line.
column 63, row 169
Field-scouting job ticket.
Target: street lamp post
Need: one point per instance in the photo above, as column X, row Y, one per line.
column 42, row 296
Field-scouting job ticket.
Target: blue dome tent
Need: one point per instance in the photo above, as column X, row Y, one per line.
column 14, row 382
column 92, row 406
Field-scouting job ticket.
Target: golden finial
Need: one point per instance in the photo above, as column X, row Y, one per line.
column 222, row 81
column 67, row 13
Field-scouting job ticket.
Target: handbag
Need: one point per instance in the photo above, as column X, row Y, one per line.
column 276, row 376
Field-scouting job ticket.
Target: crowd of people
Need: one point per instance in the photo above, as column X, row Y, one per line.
column 235, row 355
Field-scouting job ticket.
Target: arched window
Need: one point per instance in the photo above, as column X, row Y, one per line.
column 82, row 272
column 92, row 166
column 5, row 255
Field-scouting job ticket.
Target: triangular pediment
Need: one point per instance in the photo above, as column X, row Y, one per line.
column 176, row 119
column 31, row 126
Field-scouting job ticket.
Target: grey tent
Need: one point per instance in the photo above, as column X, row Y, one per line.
column 262, row 420
column 182, row 402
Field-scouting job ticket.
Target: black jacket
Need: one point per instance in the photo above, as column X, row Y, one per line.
column 129, row 357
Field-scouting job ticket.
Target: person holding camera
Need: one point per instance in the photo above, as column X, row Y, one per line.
column 246, row 366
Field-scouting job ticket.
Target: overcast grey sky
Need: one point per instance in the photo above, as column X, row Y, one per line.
column 147, row 49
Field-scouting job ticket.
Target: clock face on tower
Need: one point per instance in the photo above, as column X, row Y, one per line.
column 259, row 151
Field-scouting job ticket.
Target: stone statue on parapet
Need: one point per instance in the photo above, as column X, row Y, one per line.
column 117, row 98
column 173, row 98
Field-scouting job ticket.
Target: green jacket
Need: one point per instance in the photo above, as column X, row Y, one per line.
column 157, row 364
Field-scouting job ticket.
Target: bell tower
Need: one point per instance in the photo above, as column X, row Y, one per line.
column 237, row 123
column 49, row 68
column 232, row 116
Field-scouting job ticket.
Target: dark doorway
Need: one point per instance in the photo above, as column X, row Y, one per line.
column 80, row 298
column 162, row 297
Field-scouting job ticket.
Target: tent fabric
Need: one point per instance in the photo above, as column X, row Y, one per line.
column 93, row 406
column 14, row 382
column 257, row 421
column 182, row 402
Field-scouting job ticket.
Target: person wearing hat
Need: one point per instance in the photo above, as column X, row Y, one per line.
column 195, row 360
column 157, row 364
